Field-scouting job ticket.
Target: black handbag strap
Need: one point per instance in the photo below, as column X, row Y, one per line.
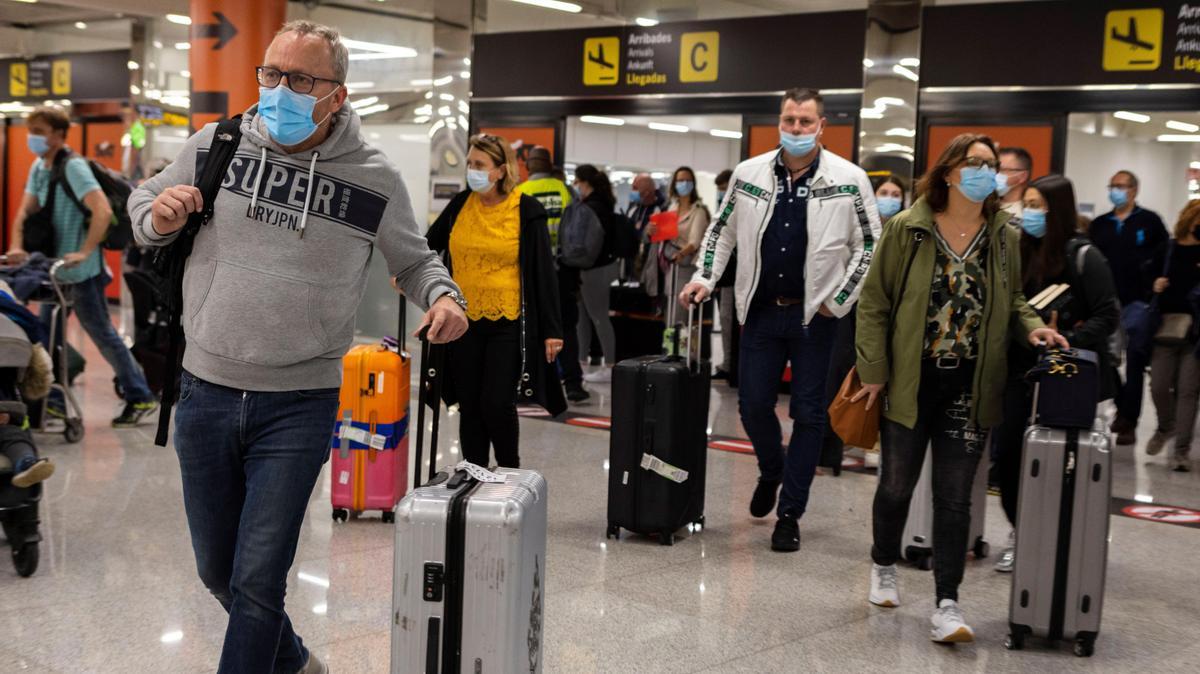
column 224, row 144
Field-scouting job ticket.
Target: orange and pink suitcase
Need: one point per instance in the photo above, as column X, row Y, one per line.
column 370, row 436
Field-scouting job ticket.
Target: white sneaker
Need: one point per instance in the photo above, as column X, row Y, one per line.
column 601, row 376
column 1009, row 556
column 871, row 458
column 949, row 626
column 885, row 590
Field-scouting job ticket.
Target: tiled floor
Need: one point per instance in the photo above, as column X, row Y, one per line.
column 117, row 592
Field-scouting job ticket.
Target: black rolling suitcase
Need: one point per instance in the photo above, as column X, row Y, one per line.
column 659, row 442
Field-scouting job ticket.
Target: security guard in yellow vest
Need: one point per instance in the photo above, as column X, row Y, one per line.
column 550, row 192
column 554, row 196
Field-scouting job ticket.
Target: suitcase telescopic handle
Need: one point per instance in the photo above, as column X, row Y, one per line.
column 694, row 342
column 429, row 392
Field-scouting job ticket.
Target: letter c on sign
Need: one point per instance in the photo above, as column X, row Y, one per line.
column 699, row 66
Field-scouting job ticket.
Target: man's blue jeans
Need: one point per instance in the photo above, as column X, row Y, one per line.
column 91, row 307
column 249, row 462
column 772, row 337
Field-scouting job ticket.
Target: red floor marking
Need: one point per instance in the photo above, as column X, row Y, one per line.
column 1171, row 514
column 737, row 446
column 591, row 422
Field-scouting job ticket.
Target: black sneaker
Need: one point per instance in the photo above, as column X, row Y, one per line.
column 763, row 501
column 787, row 535
column 576, row 393
column 133, row 414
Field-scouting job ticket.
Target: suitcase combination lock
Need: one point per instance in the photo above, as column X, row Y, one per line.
column 434, row 582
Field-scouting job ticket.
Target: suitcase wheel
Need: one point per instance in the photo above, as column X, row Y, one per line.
column 666, row 539
column 922, row 558
column 614, row 531
column 73, row 432
column 340, row 515
column 981, row 549
column 389, row 516
column 1085, row 645
column 699, row 524
column 1016, row 637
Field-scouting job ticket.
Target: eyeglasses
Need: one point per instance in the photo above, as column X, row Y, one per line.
column 298, row 82
column 979, row 162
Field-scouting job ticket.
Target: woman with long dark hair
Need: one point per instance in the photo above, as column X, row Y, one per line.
column 1052, row 253
column 596, row 190
column 940, row 305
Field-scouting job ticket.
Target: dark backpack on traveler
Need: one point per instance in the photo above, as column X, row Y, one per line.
column 625, row 237
column 116, row 190
column 580, row 236
column 172, row 259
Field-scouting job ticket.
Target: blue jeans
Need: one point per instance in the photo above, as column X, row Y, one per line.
column 249, row 462
column 771, row 337
column 91, row 307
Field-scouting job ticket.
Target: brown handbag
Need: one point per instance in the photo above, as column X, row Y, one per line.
column 856, row 425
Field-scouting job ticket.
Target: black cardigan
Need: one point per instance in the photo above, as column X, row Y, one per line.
column 541, row 316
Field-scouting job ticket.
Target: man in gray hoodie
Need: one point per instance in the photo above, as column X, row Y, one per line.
column 270, row 295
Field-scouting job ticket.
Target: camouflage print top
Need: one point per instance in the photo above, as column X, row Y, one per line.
column 956, row 299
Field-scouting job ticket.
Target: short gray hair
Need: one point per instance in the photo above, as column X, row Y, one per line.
column 341, row 55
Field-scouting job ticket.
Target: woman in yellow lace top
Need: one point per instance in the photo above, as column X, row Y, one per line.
column 495, row 242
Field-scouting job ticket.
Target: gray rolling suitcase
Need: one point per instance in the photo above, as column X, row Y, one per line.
column 1062, row 537
column 917, row 540
column 470, row 565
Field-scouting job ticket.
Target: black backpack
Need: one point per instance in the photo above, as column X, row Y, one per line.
column 624, row 239
column 172, row 259
column 116, row 190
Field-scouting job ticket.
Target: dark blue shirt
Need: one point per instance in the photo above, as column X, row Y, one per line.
column 1130, row 247
column 785, row 243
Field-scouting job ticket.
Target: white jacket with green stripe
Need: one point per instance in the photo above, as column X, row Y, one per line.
column 843, row 230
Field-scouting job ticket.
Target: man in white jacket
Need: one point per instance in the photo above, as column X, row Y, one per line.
column 805, row 225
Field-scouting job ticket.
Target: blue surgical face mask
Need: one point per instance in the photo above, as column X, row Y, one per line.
column 1118, row 196
column 289, row 115
column 1002, row 186
column 977, row 182
column 797, row 145
column 38, row 145
column 684, row 188
column 720, row 196
column 888, row 206
column 1033, row 221
column 477, row 180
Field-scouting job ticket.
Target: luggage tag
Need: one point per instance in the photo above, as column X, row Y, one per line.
column 355, row 434
column 657, row 465
column 378, row 442
column 479, row 473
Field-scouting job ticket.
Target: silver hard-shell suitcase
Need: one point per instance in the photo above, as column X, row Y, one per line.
column 1062, row 537
column 470, row 563
column 917, row 540
column 470, row 573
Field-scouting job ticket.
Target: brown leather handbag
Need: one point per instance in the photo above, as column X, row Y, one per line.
column 856, row 425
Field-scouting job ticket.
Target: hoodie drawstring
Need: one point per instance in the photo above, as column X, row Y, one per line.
column 262, row 164
column 312, row 167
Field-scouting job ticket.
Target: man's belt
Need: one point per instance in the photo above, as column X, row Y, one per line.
column 788, row 301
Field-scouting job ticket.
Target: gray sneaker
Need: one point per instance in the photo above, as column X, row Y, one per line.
column 1157, row 441
column 1008, row 556
column 1181, row 464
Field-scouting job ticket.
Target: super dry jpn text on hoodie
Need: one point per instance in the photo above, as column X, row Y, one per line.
column 275, row 278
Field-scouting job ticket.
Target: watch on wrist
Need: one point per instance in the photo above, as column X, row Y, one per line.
column 458, row 299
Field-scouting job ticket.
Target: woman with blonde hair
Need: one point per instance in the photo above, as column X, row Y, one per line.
column 495, row 242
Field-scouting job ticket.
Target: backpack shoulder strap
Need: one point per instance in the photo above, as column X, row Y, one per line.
column 226, row 139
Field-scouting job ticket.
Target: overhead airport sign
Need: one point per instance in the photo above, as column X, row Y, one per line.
column 1063, row 43
column 751, row 55
column 88, row 76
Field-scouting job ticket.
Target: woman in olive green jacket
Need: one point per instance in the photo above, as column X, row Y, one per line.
column 939, row 306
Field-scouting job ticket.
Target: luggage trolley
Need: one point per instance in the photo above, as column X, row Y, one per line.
column 53, row 293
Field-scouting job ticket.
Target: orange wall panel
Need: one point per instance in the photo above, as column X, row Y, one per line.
column 524, row 137
column 1037, row 140
column 838, row 139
